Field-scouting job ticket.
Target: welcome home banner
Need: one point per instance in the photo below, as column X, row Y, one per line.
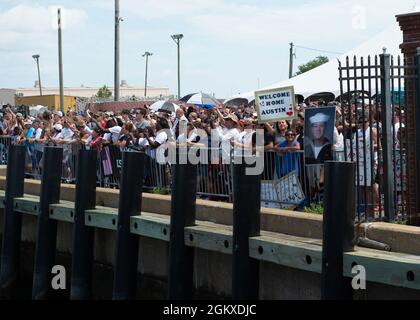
column 275, row 104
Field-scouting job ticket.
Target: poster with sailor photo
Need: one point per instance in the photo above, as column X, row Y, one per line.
column 319, row 135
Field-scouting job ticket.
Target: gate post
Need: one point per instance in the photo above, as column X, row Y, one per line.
column 47, row 228
column 127, row 245
column 417, row 104
column 387, row 137
column 338, row 228
column 410, row 26
column 83, row 236
column 181, row 257
column 246, row 224
column 12, row 229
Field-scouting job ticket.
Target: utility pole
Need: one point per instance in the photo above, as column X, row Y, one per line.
column 177, row 38
column 60, row 62
column 291, row 61
column 146, row 54
column 117, row 52
column 36, row 57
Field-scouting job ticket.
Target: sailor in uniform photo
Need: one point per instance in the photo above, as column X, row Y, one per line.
column 318, row 148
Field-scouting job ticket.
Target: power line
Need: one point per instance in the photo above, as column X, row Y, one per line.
column 312, row 49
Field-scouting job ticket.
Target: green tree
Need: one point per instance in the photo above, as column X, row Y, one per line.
column 318, row 61
column 104, row 92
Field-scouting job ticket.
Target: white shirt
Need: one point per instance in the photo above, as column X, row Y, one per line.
column 38, row 133
column 66, row 135
column 149, row 151
column 317, row 150
column 143, row 142
column 161, row 138
column 183, row 120
column 224, row 137
column 39, row 146
column 338, row 141
column 182, row 138
column 88, row 130
column 115, row 133
column 397, row 127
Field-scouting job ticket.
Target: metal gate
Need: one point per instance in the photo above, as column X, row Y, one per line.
column 373, row 119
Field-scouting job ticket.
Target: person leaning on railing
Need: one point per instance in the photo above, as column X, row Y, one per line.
column 161, row 139
column 126, row 137
column 269, row 156
column 247, row 138
column 96, row 142
column 288, row 151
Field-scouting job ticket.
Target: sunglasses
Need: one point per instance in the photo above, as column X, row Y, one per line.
column 290, row 135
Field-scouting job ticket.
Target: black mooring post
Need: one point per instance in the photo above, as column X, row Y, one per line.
column 10, row 253
column 127, row 245
column 181, row 257
column 47, row 228
column 83, row 236
column 338, row 228
column 246, row 224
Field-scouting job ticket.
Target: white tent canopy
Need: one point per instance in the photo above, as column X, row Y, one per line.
column 325, row 78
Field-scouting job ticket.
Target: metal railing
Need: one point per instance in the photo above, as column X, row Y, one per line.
column 284, row 180
column 287, row 182
column 5, row 142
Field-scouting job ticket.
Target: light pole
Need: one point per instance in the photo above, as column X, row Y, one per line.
column 177, row 38
column 291, row 61
column 118, row 19
column 60, row 62
column 36, row 57
column 146, row 54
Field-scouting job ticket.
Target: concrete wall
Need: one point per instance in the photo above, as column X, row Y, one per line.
column 212, row 273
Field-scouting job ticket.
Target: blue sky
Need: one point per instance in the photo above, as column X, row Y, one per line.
column 229, row 46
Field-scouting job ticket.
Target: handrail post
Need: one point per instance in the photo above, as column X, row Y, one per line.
column 127, row 245
column 181, row 257
column 12, row 229
column 246, row 224
column 47, row 228
column 83, row 236
column 387, row 137
column 338, row 228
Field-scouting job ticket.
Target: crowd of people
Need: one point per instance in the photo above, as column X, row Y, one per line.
column 235, row 126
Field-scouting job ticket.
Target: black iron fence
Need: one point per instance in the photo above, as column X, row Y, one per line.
column 373, row 122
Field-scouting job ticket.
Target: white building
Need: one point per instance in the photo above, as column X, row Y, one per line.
column 8, row 95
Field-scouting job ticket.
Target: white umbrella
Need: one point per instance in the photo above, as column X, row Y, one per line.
column 164, row 106
column 203, row 100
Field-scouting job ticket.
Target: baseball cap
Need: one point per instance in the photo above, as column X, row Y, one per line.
column 58, row 113
column 58, row 127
